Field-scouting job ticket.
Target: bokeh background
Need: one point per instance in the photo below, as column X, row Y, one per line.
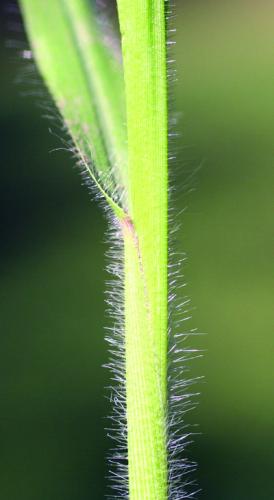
column 52, row 313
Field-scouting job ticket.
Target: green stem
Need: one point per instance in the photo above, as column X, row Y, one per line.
column 89, row 92
column 143, row 29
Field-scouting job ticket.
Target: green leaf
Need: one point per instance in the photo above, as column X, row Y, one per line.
column 131, row 171
column 86, row 82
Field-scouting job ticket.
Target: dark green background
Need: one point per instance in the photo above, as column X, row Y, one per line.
column 52, row 385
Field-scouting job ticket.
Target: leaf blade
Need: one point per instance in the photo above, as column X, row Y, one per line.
column 61, row 33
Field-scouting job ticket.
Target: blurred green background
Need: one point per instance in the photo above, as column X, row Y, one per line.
column 52, row 384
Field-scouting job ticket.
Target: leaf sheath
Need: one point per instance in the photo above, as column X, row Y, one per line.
column 143, row 30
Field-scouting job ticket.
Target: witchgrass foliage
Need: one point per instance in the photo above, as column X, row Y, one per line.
column 117, row 116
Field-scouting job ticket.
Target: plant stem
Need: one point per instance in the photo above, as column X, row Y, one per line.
column 143, row 29
column 89, row 92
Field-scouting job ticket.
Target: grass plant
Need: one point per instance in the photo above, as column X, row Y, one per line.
column 116, row 114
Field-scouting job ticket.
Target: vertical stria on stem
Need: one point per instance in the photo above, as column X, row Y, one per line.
column 143, row 30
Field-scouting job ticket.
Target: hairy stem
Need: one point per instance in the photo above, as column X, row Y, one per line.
column 83, row 80
column 143, row 30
